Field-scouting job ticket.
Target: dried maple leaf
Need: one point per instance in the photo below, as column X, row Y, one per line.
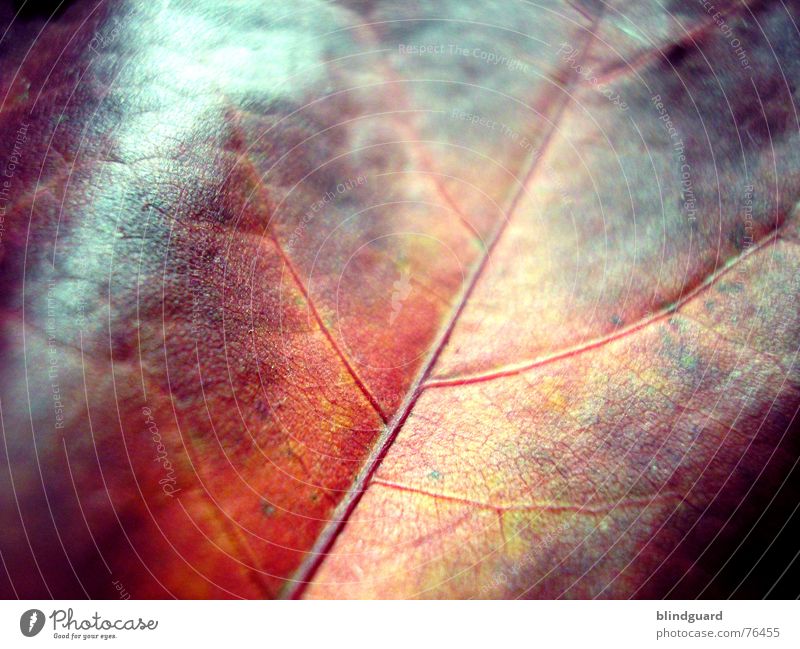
column 368, row 300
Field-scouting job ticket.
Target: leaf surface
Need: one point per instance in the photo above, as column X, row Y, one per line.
column 294, row 309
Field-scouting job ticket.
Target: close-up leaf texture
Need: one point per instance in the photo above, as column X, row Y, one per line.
column 382, row 299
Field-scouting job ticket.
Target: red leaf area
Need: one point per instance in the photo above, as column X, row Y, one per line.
column 396, row 299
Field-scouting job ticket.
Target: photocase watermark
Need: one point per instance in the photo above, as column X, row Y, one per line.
column 102, row 40
column 53, row 359
column 13, row 158
column 747, row 208
column 31, row 622
column 492, row 125
column 734, row 43
column 169, row 482
column 65, row 620
column 123, row 594
column 341, row 188
column 503, row 576
column 569, row 54
column 782, row 302
column 688, row 201
column 12, row 162
column 67, row 626
column 523, row 142
column 452, row 49
column 402, row 289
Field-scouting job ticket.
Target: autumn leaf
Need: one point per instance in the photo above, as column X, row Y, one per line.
column 398, row 299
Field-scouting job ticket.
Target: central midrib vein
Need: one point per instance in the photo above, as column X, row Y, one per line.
column 318, row 552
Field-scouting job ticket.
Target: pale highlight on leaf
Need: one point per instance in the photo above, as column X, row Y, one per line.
column 394, row 299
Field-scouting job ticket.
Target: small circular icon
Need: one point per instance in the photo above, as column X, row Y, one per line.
column 31, row 622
